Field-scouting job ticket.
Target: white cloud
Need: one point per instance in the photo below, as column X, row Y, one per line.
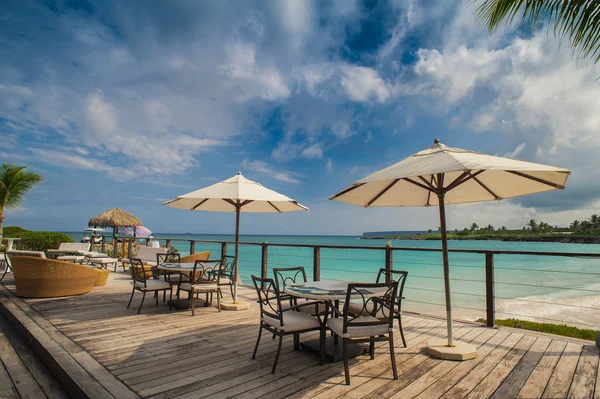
column 329, row 165
column 252, row 79
column 515, row 153
column 269, row 170
column 101, row 114
column 363, row 84
column 314, row 151
column 483, row 122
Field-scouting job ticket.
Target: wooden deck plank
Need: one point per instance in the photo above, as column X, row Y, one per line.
column 560, row 380
column 161, row 354
column 470, row 381
column 586, row 372
column 445, row 367
column 26, row 385
column 492, row 381
column 539, row 377
column 511, row 386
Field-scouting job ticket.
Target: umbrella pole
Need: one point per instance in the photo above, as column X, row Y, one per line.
column 237, row 249
column 446, row 267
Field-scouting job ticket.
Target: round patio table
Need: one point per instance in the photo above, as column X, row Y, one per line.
column 184, row 267
column 332, row 292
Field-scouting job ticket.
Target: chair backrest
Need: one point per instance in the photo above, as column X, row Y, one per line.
column 377, row 300
column 206, row 270
column 168, row 258
column 149, row 253
column 285, row 276
column 138, row 273
column 397, row 276
column 268, row 298
column 228, row 267
column 18, row 252
column 74, row 246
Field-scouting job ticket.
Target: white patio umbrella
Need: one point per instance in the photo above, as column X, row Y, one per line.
column 236, row 194
column 442, row 175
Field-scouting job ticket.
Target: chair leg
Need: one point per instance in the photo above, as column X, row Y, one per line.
column 191, row 299
column 164, row 296
column 171, row 298
column 277, row 354
column 130, row 299
column 393, row 356
column 401, row 330
column 372, row 348
column 141, row 303
column 345, row 354
column 178, row 295
column 156, row 297
column 296, row 341
column 257, row 340
column 322, row 342
column 231, row 289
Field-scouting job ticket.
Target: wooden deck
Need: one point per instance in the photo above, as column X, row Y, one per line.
column 170, row 354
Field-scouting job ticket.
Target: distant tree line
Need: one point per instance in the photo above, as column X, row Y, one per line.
column 534, row 226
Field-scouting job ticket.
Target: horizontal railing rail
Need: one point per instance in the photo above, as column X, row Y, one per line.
column 318, row 255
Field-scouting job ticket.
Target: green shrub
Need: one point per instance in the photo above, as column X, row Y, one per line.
column 40, row 240
column 557, row 329
column 13, row 231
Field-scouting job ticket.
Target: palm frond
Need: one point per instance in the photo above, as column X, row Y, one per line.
column 15, row 182
column 578, row 21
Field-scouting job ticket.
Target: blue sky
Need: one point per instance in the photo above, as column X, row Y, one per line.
column 129, row 104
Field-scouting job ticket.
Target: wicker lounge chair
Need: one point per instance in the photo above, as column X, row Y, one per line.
column 193, row 258
column 44, row 278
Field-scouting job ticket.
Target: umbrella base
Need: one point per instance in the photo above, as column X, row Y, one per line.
column 460, row 351
column 239, row 305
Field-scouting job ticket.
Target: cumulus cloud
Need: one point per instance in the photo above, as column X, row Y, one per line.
column 364, row 84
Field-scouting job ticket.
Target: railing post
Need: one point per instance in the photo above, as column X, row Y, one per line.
column 129, row 248
column 389, row 256
column 103, row 244
column 264, row 263
column 317, row 263
column 489, row 289
column 192, row 247
column 223, row 252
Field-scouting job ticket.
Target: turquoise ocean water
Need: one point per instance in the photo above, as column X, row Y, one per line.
column 536, row 287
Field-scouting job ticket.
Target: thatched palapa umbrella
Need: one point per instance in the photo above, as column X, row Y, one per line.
column 115, row 218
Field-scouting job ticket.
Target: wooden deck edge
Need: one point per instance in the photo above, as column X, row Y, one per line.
column 80, row 374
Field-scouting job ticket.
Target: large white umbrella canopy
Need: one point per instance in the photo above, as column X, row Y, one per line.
column 442, row 175
column 236, row 194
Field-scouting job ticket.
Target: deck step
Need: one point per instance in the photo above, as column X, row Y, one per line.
column 79, row 374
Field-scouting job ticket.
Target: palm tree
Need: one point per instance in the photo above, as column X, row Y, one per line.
column 595, row 221
column 15, row 182
column 577, row 21
column 474, row 227
column 575, row 225
column 532, row 225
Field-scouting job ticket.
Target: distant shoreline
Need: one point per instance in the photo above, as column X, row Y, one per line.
column 562, row 238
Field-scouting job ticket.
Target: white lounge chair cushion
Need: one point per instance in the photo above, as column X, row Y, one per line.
column 198, row 287
column 176, row 278
column 293, row 321
column 71, row 258
column 93, row 254
column 153, row 285
column 224, row 281
column 337, row 326
column 104, row 260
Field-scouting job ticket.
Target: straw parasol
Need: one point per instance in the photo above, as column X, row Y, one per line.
column 115, row 218
column 236, row 194
column 440, row 176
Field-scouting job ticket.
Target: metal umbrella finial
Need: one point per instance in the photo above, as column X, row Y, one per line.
column 436, row 141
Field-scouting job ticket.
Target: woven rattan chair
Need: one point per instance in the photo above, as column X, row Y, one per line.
column 373, row 323
column 203, row 280
column 281, row 322
column 384, row 275
column 44, row 278
column 141, row 282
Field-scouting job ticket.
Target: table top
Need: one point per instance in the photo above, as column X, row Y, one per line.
column 328, row 290
column 183, row 266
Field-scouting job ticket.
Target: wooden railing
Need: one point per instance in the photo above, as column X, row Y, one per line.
column 388, row 262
